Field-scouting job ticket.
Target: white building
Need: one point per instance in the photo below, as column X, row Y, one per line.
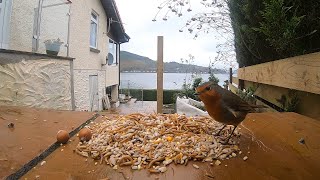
column 91, row 32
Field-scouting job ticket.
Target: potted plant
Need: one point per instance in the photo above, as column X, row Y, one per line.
column 53, row 46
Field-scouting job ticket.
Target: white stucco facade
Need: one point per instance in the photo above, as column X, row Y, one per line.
column 33, row 81
column 22, row 24
column 70, row 21
column 87, row 62
column 81, row 79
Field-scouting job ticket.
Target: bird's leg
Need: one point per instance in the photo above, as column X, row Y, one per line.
column 217, row 134
column 227, row 141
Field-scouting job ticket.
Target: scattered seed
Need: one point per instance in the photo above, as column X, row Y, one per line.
column 302, row 141
column 163, row 169
column 245, row 158
column 209, row 176
column 195, row 166
column 137, row 140
column 61, row 150
column 11, row 125
column 43, row 163
column 234, row 154
column 217, row 163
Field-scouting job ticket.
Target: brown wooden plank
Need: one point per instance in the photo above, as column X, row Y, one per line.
column 269, row 140
column 233, row 88
column 300, row 73
column 308, row 105
column 160, row 75
column 235, row 80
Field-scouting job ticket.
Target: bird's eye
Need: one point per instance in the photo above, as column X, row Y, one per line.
column 208, row 88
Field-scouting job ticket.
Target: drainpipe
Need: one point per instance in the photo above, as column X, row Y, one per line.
column 68, row 36
column 36, row 37
column 119, row 72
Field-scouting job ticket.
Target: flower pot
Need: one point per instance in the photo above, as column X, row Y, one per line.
column 54, row 53
column 53, row 48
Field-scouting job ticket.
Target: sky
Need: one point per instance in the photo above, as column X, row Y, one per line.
column 137, row 19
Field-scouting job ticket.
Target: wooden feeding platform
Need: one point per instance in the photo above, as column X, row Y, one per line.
column 277, row 145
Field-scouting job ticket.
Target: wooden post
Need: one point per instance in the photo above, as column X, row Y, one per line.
column 230, row 77
column 160, row 74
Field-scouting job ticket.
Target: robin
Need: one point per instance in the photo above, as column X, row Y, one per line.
column 224, row 106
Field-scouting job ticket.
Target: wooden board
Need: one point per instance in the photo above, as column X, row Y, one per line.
column 309, row 103
column 235, row 80
column 233, row 88
column 269, row 140
column 160, row 75
column 299, row 73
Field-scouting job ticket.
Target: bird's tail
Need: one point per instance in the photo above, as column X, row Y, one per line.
column 258, row 106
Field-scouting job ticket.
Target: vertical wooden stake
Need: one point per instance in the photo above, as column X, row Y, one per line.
column 160, row 75
column 230, row 75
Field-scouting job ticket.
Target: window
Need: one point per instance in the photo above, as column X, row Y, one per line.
column 93, row 30
column 5, row 13
column 113, row 54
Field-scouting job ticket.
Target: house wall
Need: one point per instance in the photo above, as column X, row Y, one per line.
column 81, row 79
column 86, row 62
column 21, row 24
column 35, row 81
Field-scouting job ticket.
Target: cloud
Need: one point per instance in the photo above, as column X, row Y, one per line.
column 137, row 18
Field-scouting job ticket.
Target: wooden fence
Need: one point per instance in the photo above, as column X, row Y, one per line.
column 278, row 78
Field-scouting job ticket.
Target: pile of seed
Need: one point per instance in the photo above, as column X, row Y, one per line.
column 153, row 141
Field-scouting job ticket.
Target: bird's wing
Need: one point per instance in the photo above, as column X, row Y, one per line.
column 233, row 101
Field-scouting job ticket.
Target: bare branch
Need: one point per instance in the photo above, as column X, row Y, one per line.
column 216, row 20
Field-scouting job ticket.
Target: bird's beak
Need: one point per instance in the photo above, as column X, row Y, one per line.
column 196, row 94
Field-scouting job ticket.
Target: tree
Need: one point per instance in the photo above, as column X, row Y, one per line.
column 257, row 30
column 215, row 20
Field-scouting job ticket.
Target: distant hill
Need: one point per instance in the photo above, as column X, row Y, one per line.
column 130, row 62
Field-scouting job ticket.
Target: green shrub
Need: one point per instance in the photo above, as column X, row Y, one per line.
column 267, row 30
column 213, row 78
column 169, row 96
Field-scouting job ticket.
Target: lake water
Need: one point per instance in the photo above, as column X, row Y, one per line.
column 170, row 80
